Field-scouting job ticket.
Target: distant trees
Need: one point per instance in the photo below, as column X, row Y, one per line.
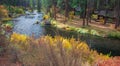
column 117, row 13
column 85, row 8
column 39, row 5
column 46, row 5
column 24, row 3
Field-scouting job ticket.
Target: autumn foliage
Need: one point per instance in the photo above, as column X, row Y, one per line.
column 3, row 11
column 115, row 61
column 54, row 51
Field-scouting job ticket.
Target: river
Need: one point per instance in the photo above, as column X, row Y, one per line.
column 27, row 25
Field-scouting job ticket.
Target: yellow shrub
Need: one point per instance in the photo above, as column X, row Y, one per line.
column 94, row 16
column 46, row 17
column 82, row 46
column 18, row 38
column 54, row 48
column 102, row 20
column 66, row 44
column 71, row 14
column 53, row 22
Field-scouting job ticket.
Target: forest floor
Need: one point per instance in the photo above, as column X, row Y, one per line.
column 77, row 22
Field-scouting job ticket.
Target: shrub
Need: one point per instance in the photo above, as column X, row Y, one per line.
column 4, row 40
column 94, row 32
column 81, row 30
column 48, row 51
column 109, row 62
column 8, row 25
column 53, row 22
column 11, row 9
column 94, row 16
column 19, row 10
column 71, row 14
column 46, row 17
column 3, row 11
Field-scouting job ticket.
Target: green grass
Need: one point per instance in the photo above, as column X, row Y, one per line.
column 10, row 23
column 114, row 35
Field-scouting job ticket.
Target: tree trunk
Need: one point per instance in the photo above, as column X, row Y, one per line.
column 54, row 9
column 84, row 15
column 106, row 9
column 66, row 10
column 54, row 12
column 117, row 9
column 87, row 12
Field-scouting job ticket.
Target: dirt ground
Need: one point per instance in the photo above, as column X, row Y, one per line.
column 77, row 22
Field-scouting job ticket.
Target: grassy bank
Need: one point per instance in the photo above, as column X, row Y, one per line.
column 113, row 34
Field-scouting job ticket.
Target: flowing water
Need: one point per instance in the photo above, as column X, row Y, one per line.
column 28, row 25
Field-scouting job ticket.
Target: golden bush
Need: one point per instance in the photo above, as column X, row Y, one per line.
column 46, row 17
column 53, row 51
column 15, row 37
column 71, row 14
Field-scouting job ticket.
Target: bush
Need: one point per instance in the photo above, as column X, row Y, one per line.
column 3, row 11
column 45, row 17
column 109, row 62
column 48, row 51
column 19, row 10
column 71, row 14
column 7, row 25
column 4, row 40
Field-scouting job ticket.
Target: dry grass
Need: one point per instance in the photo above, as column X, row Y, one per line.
column 48, row 51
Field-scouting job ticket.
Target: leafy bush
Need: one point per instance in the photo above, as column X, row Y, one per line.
column 94, row 32
column 53, row 22
column 81, row 30
column 46, row 17
column 19, row 10
column 3, row 11
column 18, row 38
column 11, row 9
column 94, row 16
column 8, row 26
column 48, row 51
column 71, row 14
column 87, row 31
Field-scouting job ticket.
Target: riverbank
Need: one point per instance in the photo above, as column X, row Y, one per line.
column 96, row 38
column 76, row 23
